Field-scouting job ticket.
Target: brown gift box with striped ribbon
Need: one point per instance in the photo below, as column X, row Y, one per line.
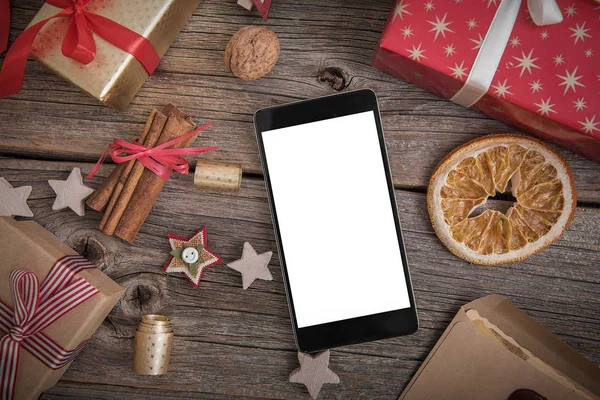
column 27, row 246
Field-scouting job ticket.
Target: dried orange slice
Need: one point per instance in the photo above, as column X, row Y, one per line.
column 539, row 179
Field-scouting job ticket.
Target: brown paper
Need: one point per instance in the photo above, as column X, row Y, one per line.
column 27, row 245
column 114, row 77
column 465, row 364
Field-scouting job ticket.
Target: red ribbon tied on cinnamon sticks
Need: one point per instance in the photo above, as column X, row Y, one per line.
column 77, row 44
column 37, row 306
column 159, row 159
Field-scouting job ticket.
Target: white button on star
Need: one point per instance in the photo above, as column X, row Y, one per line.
column 545, row 108
column 580, row 32
column 440, row 26
column 589, row 126
column 13, row 201
column 252, row 265
column 526, row 62
column 71, row 193
column 570, row 80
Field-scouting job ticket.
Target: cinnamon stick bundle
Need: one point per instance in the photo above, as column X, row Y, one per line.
column 130, row 191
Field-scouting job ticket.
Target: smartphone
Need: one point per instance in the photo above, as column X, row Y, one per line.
column 336, row 222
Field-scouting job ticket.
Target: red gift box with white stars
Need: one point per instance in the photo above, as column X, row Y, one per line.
column 547, row 81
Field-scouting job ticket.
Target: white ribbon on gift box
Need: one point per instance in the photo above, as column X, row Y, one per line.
column 543, row 12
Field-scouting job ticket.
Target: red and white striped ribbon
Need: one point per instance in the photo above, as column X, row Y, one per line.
column 35, row 308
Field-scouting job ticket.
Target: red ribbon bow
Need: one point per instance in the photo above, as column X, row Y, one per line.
column 78, row 42
column 35, row 308
column 4, row 24
column 158, row 159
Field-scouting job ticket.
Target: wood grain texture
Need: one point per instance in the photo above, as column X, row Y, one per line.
column 232, row 343
column 325, row 46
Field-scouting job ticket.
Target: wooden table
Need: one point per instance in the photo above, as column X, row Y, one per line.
column 232, row 343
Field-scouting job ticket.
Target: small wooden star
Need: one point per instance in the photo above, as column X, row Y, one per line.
column 252, row 265
column 190, row 256
column 13, row 201
column 71, row 193
column 314, row 372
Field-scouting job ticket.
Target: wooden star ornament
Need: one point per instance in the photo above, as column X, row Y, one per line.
column 252, row 265
column 314, row 372
column 190, row 256
column 13, row 201
column 71, row 193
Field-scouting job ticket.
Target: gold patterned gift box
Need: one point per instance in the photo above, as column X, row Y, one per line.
column 114, row 76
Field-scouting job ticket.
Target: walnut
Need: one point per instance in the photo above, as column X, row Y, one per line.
column 252, row 52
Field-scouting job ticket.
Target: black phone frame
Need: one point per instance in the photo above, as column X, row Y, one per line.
column 354, row 330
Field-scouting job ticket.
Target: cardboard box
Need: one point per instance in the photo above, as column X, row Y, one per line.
column 28, row 246
column 114, row 76
column 546, row 81
column 467, row 364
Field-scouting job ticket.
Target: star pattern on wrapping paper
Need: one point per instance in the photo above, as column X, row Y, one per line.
column 400, row 10
column 535, row 86
column 449, row 50
column 490, row 2
column 206, row 258
column 429, row 5
column 407, row 32
column 497, row 110
column 416, row 53
column 440, row 26
column 589, row 126
column 571, row 10
column 545, row 108
column 252, row 265
column 477, row 42
column 570, row 80
column 458, row 71
column 580, row 32
column 472, row 24
column 526, row 62
column 558, row 59
column 588, row 53
column 502, row 88
column 514, row 42
column 544, row 35
column 580, row 104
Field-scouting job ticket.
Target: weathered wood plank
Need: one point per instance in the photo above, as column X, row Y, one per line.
column 52, row 119
column 236, row 343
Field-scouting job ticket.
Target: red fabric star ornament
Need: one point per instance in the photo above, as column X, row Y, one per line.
column 190, row 256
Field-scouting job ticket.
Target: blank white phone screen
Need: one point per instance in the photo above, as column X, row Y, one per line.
column 335, row 219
